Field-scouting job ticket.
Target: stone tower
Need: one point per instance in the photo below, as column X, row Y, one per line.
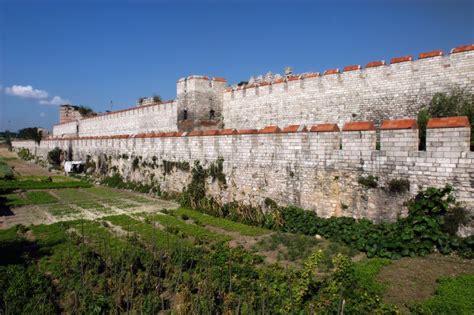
column 200, row 102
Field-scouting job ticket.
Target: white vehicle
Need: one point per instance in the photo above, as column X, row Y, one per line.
column 73, row 166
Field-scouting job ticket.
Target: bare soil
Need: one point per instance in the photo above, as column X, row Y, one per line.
column 410, row 280
column 38, row 214
column 21, row 167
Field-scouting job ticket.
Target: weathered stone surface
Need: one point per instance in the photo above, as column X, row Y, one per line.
column 306, row 169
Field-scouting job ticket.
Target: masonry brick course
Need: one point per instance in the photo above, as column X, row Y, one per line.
column 306, row 169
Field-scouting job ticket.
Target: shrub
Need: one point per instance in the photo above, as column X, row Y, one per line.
column 54, row 157
column 398, row 186
column 25, row 154
column 368, row 181
column 457, row 102
column 6, row 171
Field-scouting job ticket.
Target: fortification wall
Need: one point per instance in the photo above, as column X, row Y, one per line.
column 143, row 119
column 306, row 167
column 376, row 92
column 65, row 130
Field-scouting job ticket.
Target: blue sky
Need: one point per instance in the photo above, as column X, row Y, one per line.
column 94, row 52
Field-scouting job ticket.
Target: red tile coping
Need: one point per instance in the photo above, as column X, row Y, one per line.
column 325, row 128
column 374, row 64
column 293, row 78
column 194, row 133
column 219, row 79
column 401, row 59
column 359, row 126
column 278, row 81
column 263, row 84
column 270, row 129
column 311, row 75
column 351, row 68
column 210, row 132
column 247, row 131
column 229, row 89
column 331, row 71
column 462, row 49
column 172, row 134
column 399, row 124
column 294, row 128
column 226, row 132
column 249, row 86
column 431, row 54
column 449, row 122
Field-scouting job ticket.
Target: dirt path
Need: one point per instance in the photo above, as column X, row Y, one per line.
column 23, row 168
column 409, row 280
column 39, row 214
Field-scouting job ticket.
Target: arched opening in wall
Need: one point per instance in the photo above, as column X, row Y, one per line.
column 212, row 114
column 185, row 114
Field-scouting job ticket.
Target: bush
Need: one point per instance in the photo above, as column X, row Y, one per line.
column 398, row 186
column 54, row 157
column 457, row 102
column 6, row 171
column 25, row 154
column 368, row 181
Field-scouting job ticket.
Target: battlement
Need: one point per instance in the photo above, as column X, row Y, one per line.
column 377, row 91
column 451, row 134
column 362, row 71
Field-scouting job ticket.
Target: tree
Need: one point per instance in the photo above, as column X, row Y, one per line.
column 458, row 102
column 157, row 99
column 30, row 133
column 54, row 157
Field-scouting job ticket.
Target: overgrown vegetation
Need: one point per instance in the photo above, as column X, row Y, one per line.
column 168, row 166
column 25, row 154
column 422, row 232
column 453, row 296
column 398, row 186
column 6, row 172
column 31, row 133
column 117, row 181
column 458, row 102
column 54, row 157
column 194, row 195
column 369, row 181
column 43, row 184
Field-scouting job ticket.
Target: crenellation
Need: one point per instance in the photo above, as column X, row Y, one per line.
column 299, row 139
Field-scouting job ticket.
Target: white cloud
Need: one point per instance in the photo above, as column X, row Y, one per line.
column 57, row 100
column 26, row 91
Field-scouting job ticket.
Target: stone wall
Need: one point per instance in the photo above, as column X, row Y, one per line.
column 143, row 119
column 314, row 168
column 378, row 91
column 68, row 129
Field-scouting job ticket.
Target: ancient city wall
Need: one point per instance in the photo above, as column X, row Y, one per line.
column 314, row 167
column 378, row 91
column 68, row 129
column 143, row 119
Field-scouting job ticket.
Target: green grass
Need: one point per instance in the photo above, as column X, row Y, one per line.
column 173, row 224
column 296, row 247
column 31, row 198
column 60, row 210
column 39, row 178
column 367, row 270
column 33, row 184
column 224, row 224
column 148, row 233
column 107, row 192
column 72, row 195
column 453, row 296
column 6, row 172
